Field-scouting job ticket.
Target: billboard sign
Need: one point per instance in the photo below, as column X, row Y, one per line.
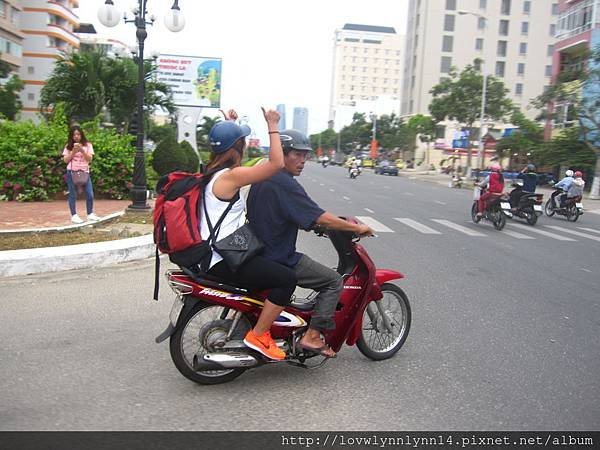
column 194, row 81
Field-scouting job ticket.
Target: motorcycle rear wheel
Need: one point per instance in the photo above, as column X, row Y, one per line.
column 572, row 213
column 548, row 208
column 498, row 219
column 196, row 334
column 531, row 217
column 375, row 342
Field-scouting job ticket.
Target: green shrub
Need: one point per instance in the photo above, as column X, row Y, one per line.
column 193, row 162
column 31, row 165
column 168, row 157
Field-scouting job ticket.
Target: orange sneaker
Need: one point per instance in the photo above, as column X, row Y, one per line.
column 264, row 344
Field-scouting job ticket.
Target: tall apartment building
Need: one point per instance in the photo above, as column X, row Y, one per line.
column 367, row 72
column 48, row 28
column 300, row 120
column 281, row 111
column 11, row 38
column 514, row 38
column 578, row 32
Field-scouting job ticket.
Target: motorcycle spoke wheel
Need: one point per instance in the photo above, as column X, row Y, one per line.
column 548, row 208
column 498, row 220
column 531, row 217
column 201, row 332
column 474, row 217
column 572, row 214
column 376, row 341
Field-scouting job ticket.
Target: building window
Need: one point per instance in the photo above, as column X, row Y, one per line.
column 523, row 48
column 505, row 7
column 548, row 71
column 502, row 48
column 364, row 69
column 524, row 27
column 550, row 50
column 30, row 70
column 448, row 22
column 2, row 8
column 479, row 44
column 519, row 89
column 445, row 64
column 554, row 9
column 366, row 50
column 451, row 4
column 482, row 4
column 480, row 23
column 500, row 67
column 552, row 30
column 503, row 28
column 521, row 69
column 447, row 43
column 526, row 7
column 14, row 16
column 31, row 97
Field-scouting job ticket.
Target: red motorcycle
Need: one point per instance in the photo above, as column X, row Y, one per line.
column 210, row 318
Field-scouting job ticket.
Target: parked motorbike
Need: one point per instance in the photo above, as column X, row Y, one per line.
column 209, row 318
column 496, row 211
column 456, row 182
column 572, row 209
column 325, row 162
column 528, row 206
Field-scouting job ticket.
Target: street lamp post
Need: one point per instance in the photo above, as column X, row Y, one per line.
column 109, row 16
column 480, row 150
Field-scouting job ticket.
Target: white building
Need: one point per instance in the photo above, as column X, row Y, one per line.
column 514, row 38
column 367, row 72
column 48, row 28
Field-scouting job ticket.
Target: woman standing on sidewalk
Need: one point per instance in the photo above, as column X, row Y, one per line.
column 78, row 154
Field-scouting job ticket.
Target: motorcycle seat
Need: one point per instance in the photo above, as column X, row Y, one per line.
column 215, row 282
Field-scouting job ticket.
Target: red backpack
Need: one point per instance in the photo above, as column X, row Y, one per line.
column 177, row 221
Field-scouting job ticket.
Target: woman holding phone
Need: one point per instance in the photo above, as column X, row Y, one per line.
column 78, row 154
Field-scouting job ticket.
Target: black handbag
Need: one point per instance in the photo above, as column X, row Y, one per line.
column 237, row 248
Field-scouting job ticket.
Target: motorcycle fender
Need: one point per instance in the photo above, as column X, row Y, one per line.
column 381, row 276
column 180, row 307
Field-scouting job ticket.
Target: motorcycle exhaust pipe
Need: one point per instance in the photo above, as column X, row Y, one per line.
column 220, row 361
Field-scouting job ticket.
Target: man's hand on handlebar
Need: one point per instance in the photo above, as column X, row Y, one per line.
column 364, row 230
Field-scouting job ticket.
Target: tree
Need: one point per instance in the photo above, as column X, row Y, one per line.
column 578, row 91
column 10, row 105
column 192, row 161
column 203, row 130
column 169, row 157
column 424, row 127
column 524, row 142
column 90, row 81
column 458, row 97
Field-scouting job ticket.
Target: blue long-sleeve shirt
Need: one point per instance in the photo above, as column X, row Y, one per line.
column 565, row 183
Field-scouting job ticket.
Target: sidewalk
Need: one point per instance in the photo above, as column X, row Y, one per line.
column 42, row 216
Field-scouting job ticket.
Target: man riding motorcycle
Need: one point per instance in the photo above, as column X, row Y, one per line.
column 529, row 178
column 494, row 183
column 563, row 184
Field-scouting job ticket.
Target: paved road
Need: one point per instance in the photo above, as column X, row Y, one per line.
column 504, row 333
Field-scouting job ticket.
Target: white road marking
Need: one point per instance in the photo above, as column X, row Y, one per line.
column 416, row 225
column 377, row 226
column 408, row 193
column 458, row 227
column 589, row 229
column 369, row 211
column 597, row 211
column 542, row 232
column 573, row 232
column 440, row 203
column 345, row 198
column 517, row 235
column 586, row 270
column 321, row 184
column 331, row 190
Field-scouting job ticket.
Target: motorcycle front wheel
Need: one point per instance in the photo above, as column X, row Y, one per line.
column 200, row 332
column 498, row 219
column 376, row 341
column 548, row 208
column 474, row 217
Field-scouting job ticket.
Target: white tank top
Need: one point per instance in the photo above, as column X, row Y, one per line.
column 235, row 218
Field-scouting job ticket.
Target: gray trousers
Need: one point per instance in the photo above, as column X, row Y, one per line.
column 328, row 283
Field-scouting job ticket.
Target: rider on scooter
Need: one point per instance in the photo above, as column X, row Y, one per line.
column 529, row 178
column 563, row 184
column 495, row 181
column 576, row 188
column 277, row 209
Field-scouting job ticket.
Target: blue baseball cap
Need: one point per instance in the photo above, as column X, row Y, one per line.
column 224, row 134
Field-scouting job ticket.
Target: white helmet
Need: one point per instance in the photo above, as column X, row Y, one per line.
column 569, row 173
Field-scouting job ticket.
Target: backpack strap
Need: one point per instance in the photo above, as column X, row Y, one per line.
column 215, row 231
column 156, row 273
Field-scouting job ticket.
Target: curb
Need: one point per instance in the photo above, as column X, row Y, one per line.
column 79, row 256
column 64, row 227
